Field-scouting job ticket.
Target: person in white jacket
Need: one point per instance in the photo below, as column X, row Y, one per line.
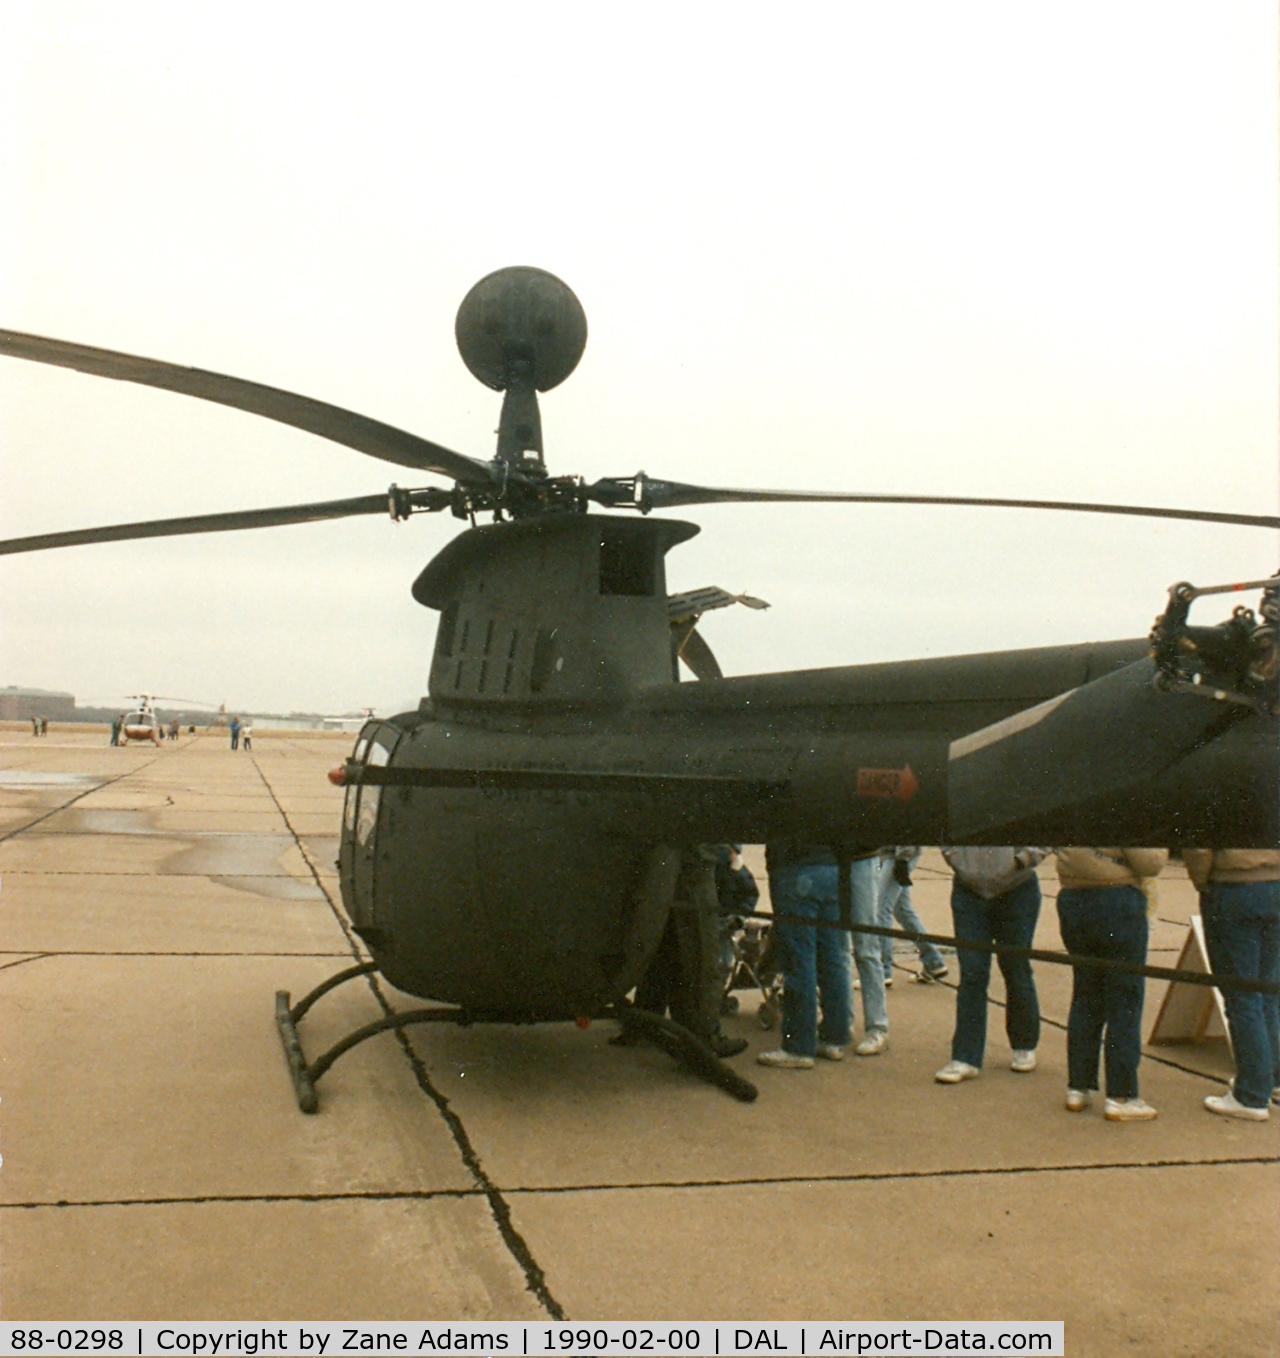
column 1102, row 912
column 995, row 898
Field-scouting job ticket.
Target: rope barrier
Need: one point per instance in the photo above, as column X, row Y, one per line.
column 1066, row 959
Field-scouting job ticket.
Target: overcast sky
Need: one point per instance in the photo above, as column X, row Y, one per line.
column 1022, row 250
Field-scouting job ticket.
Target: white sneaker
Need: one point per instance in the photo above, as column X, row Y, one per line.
column 830, row 1052
column 888, row 982
column 1228, row 1106
column 1128, row 1110
column 874, row 1043
column 955, row 1071
column 785, row 1060
column 1077, row 1100
column 1023, row 1062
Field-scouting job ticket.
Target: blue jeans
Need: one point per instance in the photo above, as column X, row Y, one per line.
column 895, row 904
column 865, row 909
column 1105, row 922
column 1010, row 918
column 815, row 959
column 1242, row 930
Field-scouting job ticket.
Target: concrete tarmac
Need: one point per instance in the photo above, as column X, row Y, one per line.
column 156, row 1165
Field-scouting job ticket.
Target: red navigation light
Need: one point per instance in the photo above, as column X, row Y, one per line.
column 338, row 776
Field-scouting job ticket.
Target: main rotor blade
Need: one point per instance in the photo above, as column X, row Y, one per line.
column 646, row 493
column 202, row 523
column 316, row 417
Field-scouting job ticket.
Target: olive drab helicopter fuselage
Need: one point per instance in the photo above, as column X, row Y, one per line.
column 512, row 847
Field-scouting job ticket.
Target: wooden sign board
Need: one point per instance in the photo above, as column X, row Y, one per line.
column 1190, row 1013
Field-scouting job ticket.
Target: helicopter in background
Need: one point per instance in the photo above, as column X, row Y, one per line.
column 511, row 847
column 142, row 723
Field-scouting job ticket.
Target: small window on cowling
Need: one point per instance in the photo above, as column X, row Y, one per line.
column 627, row 562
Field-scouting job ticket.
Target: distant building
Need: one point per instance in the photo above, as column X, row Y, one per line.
column 21, row 704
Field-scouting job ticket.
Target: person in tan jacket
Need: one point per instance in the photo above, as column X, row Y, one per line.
column 1240, row 906
column 1102, row 912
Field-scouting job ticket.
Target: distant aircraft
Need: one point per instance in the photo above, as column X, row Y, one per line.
column 346, row 723
column 141, row 724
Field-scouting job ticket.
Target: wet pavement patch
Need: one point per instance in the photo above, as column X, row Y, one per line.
column 230, row 856
column 79, row 820
column 322, row 848
column 279, row 888
column 26, row 780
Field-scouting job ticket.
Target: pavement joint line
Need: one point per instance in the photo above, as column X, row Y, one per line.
column 762, row 1181
column 206, row 1199
column 157, row 952
column 97, row 787
column 85, row 872
column 163, row 834
column 534, row 1277
column 883, row 1176
column 22, row 961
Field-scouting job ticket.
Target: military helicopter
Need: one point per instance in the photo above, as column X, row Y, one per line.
column 511, row 847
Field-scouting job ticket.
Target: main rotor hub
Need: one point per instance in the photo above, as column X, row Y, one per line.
column 521, row 327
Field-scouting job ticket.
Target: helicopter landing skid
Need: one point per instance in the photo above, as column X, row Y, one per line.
column 683, row 1046
column 677, row 1041
column 304, row 1075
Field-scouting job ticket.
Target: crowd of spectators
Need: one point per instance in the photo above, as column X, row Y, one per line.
column 1105, row 900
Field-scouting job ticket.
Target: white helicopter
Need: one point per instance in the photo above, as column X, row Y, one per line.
column 142, row 723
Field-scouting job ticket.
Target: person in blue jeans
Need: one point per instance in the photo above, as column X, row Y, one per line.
column 995, row 898
column 1240, row 906
column 802, row 883
column 893, row 883
column 1102, row 912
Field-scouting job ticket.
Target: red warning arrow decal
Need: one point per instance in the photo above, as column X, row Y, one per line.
column 900, row 783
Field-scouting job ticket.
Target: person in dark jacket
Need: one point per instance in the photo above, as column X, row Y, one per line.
column 736, row 897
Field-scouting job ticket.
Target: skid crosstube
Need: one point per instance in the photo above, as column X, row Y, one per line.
column 677, row 1041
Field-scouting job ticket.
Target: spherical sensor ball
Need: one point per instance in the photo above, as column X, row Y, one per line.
column 520, row 316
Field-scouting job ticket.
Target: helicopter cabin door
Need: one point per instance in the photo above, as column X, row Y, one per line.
column 356, row 859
